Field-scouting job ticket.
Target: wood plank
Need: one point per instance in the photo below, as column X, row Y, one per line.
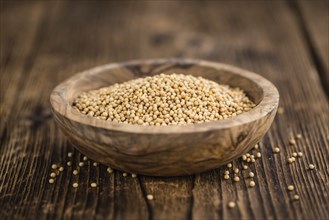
column 315, row 16
column 74, row 38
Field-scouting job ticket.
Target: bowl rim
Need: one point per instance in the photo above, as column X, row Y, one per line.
column 268, row 103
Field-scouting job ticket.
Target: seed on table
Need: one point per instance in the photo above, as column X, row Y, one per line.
column 292, row 141
column 51, row 181
column 253, row 160
column 69, row 163
column 95, row 164
column 256, row 146
column 259, row 155
column 294, row 154
column 61, row 169
column 248, row 160
column 276, row 150
column 124, row 174
column 291, row 160
column 93, row 185
column 53, row 175
column 251, row 174
column 296, row 197
column 300, row 154
column 75, row 172
column 81, row 164
column 227, row 172
column 231, row 205
column 311, row 166
column 69, row 154
column 75, row 185
column 252, row 183
column 236, row 179
column 291, row 187
column 150, row 197
column 54, row 166
column 133, row 175
column 109, row 170
column 247, row 154
column 85, row 158
column 244, row 167
column 244, row 157
column 229, row 165
column 236, row 170
column 298, row 136
column 226, row 176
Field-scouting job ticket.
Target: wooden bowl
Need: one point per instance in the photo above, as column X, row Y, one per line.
column 165, row 150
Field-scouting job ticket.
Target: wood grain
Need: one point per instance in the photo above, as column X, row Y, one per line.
column 72, row 36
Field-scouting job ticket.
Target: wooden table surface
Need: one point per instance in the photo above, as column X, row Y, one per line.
column 45, row 42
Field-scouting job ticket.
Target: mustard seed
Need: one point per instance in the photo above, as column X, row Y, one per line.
column 236, row 170
column 124, row 174
column 226, row 176
column 231, row 205
column 251, row 174
column 296, row 197
column 81, row 164
column 154, row 100
column 299, row 136
column 292, row 141
column 244, row 167
column 227, row 172
column 69, row 163
column 244, row 157
column 258, row 155
column 150, row 197
column 276, row 150
column 69, row 154
column 133, row 175
column 252, row 183
column 109, row 170
column 61, row 169
column 95, row 164
column 294, row 154
column 300, row 154
column 311, row 166
column 75, row 185
column 54, row 166
column 256, row 146
column 51, row 181
column 85, row 158
column 93, row 185
column 229, row 165
column 291, row 187
column 53, row 175
column 75, row 172
column 236, row 179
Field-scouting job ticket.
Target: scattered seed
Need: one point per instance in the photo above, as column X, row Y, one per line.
column 300, row 154
column 124, row 174
column 292, row 141
column 75, row 172
column 294, row 154
column 236, row 170
column 231, row 205
column 61, row 169
column 276, row 150
column 290, row 160
column 311, row 166
column 253, row 160
column 133, row 175
column 252, row 183
column 256, row 146
column 109, row 170
column 248, row 160
column 69, row 163
column 93, row 185
column 85, row 158
column 81, row 164
column 251, row 174
column 229, row 165
column 244, row 167
column 95, row 164
column 150, row 197
column 75, row 185
column 247, row 154
column 258, row 155
column 51, row 181
column 53, row 175
column 291, row 187
column 236, row 179
column 69, row 154
column 54, row 166
column 244, row 157
column 227, row 172
column 296, row 197
column 299, row 136
column 226, row 176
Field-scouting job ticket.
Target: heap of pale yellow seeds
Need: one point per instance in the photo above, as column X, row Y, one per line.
column 174, row 99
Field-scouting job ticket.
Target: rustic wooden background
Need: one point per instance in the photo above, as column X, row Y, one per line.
column 45, row 42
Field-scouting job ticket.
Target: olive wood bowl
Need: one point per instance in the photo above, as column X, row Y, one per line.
column 165, row 150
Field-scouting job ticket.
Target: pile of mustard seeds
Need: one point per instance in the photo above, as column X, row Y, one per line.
column 174, row 99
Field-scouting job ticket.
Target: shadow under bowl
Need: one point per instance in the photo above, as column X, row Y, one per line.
column 165, row 150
